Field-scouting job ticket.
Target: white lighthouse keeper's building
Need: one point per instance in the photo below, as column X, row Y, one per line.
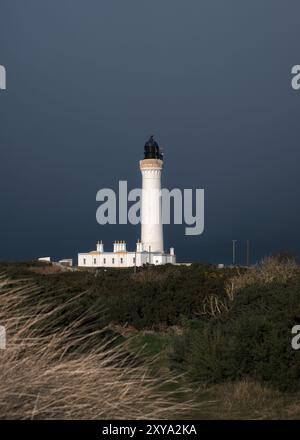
column 151, row 247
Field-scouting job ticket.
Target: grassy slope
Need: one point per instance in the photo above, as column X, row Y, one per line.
column 242, row 399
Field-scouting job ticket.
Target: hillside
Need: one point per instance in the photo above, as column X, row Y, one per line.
column 227, row 330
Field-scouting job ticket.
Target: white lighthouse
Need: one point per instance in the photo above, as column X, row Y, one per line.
column 150, row 249
column 151, row 209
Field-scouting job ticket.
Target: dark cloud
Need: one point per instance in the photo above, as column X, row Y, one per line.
column 88, row 81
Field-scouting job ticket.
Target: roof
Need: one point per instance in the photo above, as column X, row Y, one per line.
column 151, row 142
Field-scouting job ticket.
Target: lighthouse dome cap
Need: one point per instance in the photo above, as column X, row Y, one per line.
column 151, row 142
column 152, row 150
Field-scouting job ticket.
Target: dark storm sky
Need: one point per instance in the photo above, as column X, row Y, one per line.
column 89, row 80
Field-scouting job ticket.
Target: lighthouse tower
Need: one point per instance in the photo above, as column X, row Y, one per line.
column 151, row 207
column 150, row 249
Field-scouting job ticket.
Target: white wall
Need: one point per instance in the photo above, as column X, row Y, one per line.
column 151, row 209
column 107, row 259
column 123, row 259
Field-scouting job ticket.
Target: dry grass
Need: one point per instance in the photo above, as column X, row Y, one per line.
column 246, row 400
column 213, row 306
column 246, row 394
column 271, row 269
column 43, row 377
column 50, row 268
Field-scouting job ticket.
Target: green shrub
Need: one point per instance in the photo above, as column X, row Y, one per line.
column 252, row 340
column 152, row 297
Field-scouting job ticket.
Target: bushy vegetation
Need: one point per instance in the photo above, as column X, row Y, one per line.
column 252, row 338
column 43, row 377
column 235, row 324
column 152, row 298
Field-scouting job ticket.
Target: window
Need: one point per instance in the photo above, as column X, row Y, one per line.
column 104, row 260
column 133, row 260
column 113, row 261
column 121, row 260
column 95, row 260
column 84, row 261
column 156, row 261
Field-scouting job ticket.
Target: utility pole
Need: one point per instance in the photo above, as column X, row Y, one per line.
column 134, row 270
column 233, row 251
column 248, row 253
